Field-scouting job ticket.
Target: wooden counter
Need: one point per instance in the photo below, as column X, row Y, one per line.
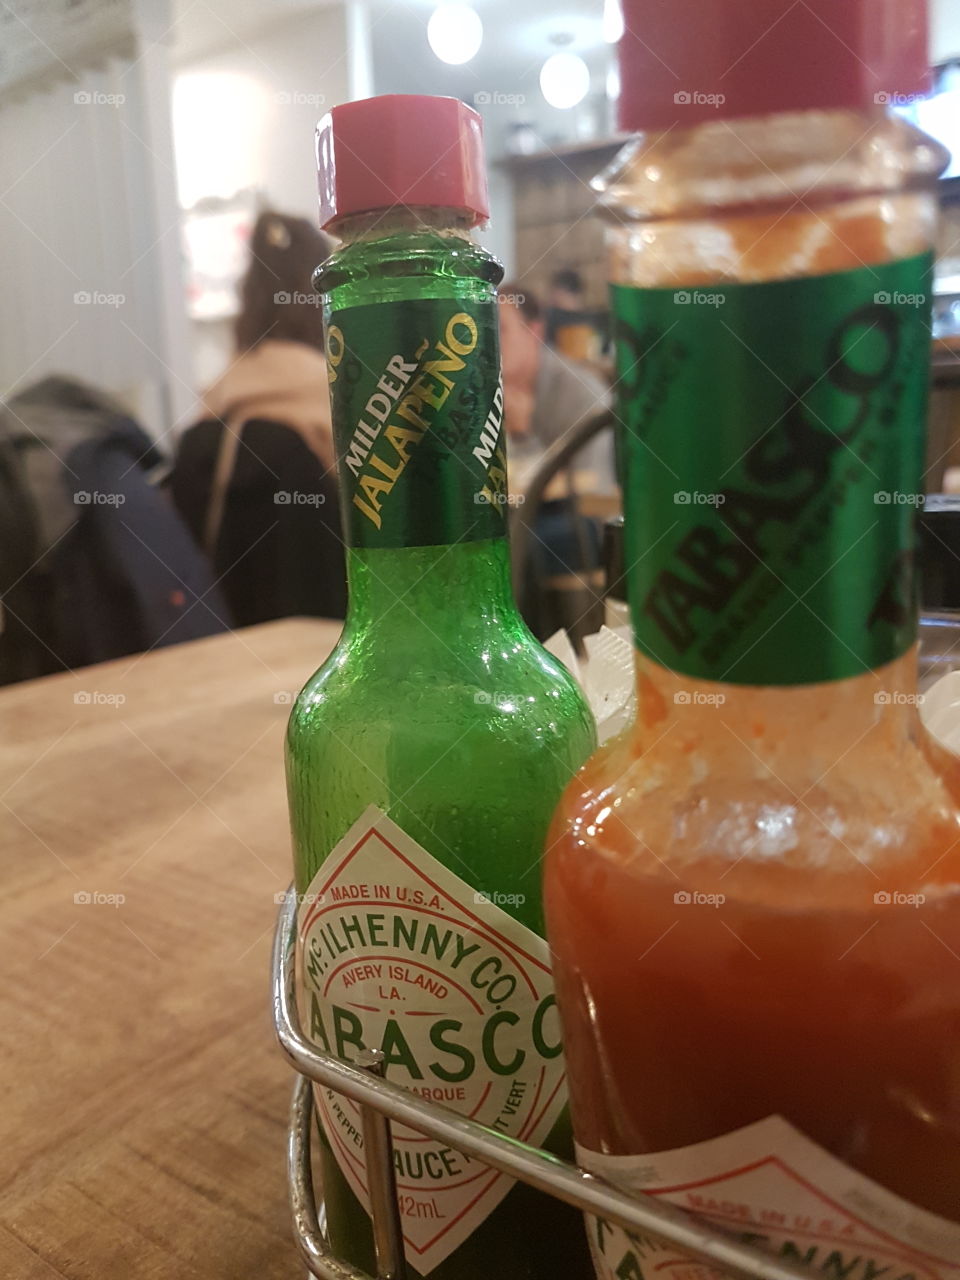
column 144, row 1106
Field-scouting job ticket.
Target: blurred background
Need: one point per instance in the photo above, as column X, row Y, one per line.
column 141, row 139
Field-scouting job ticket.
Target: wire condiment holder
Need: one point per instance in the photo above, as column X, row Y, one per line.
column 382, row 1103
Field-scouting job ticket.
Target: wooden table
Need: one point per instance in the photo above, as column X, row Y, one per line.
column 144, row 1101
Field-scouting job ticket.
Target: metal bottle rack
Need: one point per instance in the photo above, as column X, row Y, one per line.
column 381, row 1102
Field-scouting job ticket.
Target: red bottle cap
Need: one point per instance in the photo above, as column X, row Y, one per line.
column 401, row 149
column 686, row 61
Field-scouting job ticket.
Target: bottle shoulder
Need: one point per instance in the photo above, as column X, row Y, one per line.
column 508, row 687
column 767, row 160
column 822, row 826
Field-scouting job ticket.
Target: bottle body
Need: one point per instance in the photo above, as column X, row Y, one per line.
column 770, row 853
column 440, row 734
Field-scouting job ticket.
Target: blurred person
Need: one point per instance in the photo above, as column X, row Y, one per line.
column 545, row 394
column 545, row 397
column 568, row 325
column 254, row 477
column 94, row 561
column 567, row 290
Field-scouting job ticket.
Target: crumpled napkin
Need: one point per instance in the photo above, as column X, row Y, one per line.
column 606, row 675
column 940, row 711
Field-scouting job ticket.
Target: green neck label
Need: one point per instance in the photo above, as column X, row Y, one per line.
column 418, row 422
column 774, row 465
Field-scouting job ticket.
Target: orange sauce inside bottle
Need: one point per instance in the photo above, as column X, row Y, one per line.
column 754, row 903
column 758, row 944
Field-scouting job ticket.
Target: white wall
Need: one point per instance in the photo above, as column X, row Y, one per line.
column 502, row 81
column 403, row 63
column 90, row 232
column 245, row 116
column 944, row 30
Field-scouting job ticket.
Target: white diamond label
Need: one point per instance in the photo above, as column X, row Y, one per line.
column 395, row 952
column 770, row 1186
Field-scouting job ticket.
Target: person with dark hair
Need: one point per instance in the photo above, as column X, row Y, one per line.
column 568, row 325
column 254, row 477
column 277, row 300
column 567, row 289
column 545, row 396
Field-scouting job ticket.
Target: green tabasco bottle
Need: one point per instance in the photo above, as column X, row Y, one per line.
column 426, row 755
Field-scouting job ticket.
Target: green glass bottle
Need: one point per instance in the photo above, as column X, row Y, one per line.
column 426, row 755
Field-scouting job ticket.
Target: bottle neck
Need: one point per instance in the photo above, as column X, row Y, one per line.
column 446, row 592
column 414, row 366
column 776, row 726
column 784, row 287
column 380, row 224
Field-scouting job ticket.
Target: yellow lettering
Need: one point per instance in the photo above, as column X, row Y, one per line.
column 406, row 411
column 368, row 511
column 401, row 439
column 427, row 394
column 373, row 487
column 390, row 472
column 437, row 368
column 335, row 350
column 461, row 321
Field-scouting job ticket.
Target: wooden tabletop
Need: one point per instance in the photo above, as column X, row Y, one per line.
column 143, row 838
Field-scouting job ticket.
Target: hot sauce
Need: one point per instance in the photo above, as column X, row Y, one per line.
column 753, row 895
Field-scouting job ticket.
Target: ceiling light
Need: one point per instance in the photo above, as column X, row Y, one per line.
column 455, row 32
column 564, row 80
column 612, row 21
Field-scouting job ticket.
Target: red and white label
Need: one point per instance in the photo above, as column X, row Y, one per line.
column 397, row 953
column 770, row 1186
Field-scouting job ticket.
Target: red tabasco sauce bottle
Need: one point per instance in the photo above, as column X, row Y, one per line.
column 753, row 895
